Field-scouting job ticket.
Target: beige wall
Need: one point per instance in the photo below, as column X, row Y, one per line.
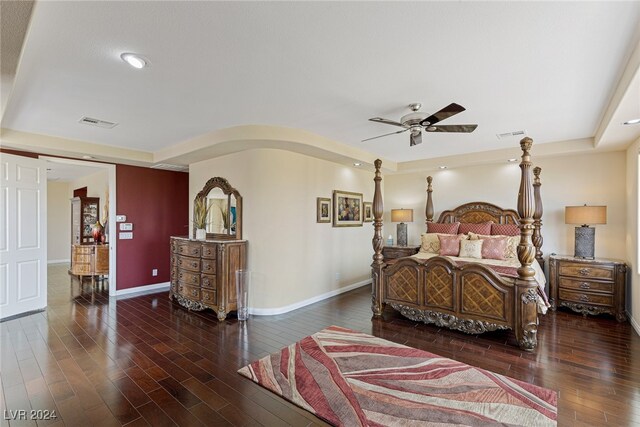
column 58, row 222
column 633, row 282
column 594, row 179
column 292, row 257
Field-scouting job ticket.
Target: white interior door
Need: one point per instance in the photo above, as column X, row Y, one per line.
column 23, row 235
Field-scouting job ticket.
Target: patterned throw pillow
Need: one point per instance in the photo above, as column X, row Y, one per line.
column 443, row 228
column 471, row 248
column 478, row 228
column 430, row 243
column 512, row 243
column 494, row 248
column 504, row 230
column 450, row 245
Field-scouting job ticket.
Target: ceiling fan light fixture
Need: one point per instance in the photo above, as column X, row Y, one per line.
column 632, row 122
column 135, row 60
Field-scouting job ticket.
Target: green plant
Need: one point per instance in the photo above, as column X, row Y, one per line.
column 225, row 217
column 200, row 212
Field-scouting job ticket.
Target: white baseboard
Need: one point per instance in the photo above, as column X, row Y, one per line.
column 59, row 261
column 146, row 289
column 300, row 304
column 635, row 324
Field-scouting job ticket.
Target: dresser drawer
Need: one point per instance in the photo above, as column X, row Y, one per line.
column 586, row 298
column 189, row 278
column 583, row 270
column 208, row 266
column 586, row 285
column 209, row 251
column 208, row 281
column 191, row 292
column 188, row 263
column 188, row 248
column 210, row 296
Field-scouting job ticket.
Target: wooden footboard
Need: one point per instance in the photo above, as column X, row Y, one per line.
column 471, row 298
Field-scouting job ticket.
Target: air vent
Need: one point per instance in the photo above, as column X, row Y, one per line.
column 167, row 166
column 97, row 122
column 516, row 133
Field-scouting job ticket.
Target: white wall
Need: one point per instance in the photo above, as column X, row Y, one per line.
column 594, row 179
column 58, row 222
column 633, row 281
column 292, row 257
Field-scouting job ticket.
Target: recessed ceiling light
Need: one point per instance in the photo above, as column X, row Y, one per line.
column 87, row 157
column 442, row 167
column 512, row 160
column 357, row 164
column 632, row 122
column 135, row 60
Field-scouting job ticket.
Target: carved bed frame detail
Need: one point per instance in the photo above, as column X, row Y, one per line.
column 472, row 297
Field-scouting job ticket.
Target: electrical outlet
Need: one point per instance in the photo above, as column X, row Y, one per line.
column 154, row 272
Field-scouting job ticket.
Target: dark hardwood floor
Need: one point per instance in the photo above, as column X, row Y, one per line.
column 144, row 361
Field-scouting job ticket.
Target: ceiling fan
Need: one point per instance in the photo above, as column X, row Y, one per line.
column 417, row 121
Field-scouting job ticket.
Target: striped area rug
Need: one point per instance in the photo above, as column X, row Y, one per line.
column 350, row 379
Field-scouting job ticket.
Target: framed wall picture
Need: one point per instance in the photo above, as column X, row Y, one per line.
column 368, row 211
column 323, row 209
column 347, row 209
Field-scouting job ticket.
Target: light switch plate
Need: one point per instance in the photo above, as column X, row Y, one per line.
column 121, row 218
column 126, row 226
column 126, row 235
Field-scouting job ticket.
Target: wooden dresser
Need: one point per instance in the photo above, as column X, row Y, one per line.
column 588, row 286
column 203, row 273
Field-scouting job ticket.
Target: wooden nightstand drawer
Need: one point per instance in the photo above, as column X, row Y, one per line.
column 191, row 292
column 188, row 263
column 586, row 285
column 188, row 248
column 393, row 252
column 209, row 296
column 209, row 281
column 585, row 270
column 189, row 278
column 586, row 298
column 209, row 266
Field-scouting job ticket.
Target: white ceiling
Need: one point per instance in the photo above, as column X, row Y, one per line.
column 67, row 172
column 549, row 68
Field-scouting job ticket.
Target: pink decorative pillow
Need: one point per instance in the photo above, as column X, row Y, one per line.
column 495, row 248
column 504, row 230
column 443, row 228
column 449, row 245
column 478, row 228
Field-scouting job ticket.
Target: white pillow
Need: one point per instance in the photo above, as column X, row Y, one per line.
column 471, row 248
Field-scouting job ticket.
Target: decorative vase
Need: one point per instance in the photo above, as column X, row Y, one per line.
column 201, row 234
column 97, row 231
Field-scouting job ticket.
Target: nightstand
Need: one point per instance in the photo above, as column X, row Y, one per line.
column 588, row 286
column 393, row 252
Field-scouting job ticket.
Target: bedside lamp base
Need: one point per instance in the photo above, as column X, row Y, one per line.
column 585, row 242
column 401, row 231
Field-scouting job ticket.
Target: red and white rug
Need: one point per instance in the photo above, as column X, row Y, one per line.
column 349, row 378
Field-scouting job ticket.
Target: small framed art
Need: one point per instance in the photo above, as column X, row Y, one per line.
column 323, row 208
column 368, row 211
column 347, row 209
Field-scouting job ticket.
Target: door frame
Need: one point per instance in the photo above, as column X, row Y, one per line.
column 111, row 177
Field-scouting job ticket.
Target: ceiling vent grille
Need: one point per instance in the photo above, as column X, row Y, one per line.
column 169, row 167
column 516, row 133
column 97, row 122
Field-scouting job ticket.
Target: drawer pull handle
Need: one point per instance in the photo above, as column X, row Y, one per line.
column 194, row 264
column 194, row 292
column 206, row 296
column 584, row 285
column 181, row 288
column 584, row 271
column 584, row 298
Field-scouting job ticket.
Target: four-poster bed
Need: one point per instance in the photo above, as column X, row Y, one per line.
column 468, row 296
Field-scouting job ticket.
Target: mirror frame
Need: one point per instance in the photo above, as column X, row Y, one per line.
column 228, row 190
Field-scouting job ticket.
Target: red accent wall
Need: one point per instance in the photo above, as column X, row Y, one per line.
column 156, row 202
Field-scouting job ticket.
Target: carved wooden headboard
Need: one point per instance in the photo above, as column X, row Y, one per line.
column 476, row 212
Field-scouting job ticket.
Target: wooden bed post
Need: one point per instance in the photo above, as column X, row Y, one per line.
column 526, row 302
column 376, row 266
column 537, row 217
column 429, row 209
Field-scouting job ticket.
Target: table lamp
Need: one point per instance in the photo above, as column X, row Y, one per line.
column 585, row 235
column 402, row 216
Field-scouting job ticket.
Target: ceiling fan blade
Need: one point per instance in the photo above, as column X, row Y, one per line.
column 386, row 134
column 386, row 121
column 415, row 139
column 452, row 128
column 445, row 113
